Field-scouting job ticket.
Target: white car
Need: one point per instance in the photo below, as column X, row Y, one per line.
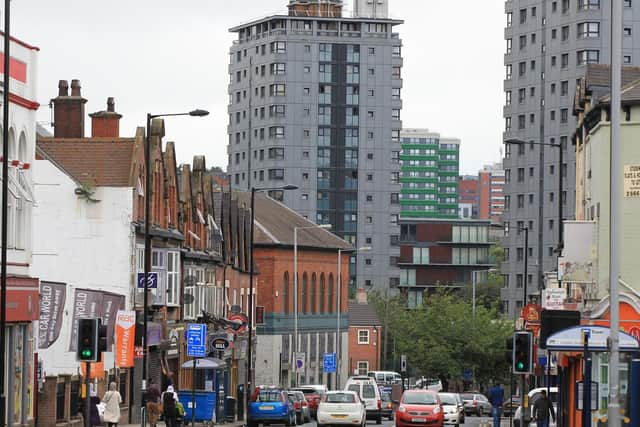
column 452, row 409
column 533, row 396
column 369, row 392
column 341, row 408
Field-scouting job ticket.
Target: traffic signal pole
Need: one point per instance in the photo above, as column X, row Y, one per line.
column 87, row 396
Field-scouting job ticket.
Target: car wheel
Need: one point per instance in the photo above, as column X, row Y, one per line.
column 299, row 419
column 379, row 419
column 480, row 412
column 391, row 416
column 252, row 424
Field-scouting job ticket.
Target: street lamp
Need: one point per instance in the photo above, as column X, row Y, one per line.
column 251, row 274
column 295, row 285
column 339, row 299
column 147, row 243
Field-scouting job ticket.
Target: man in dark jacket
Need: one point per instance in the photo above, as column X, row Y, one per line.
column 543, row 409
column 496, row 396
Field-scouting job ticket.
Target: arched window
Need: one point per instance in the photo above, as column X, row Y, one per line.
column 305, row 293
column 22, row 207
column 322, row 295
column 12, row 201
column 285, row 293
column 313, row 306
column 330, row 294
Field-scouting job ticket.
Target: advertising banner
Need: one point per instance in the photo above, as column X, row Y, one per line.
column 92, row 303
column 125, row 338
column 52, row 299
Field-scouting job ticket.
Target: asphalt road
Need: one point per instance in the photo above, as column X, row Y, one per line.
column 469, row 421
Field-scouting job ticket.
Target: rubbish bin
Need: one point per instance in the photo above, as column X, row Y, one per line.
column 230, row 409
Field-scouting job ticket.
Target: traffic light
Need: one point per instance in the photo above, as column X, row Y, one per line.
column 508, row 354
column 88, row 334
column 522, row 353
column 102, row 339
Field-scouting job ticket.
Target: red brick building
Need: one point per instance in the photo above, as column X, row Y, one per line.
column 365, row 336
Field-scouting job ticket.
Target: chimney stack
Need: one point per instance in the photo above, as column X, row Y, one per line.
column 106, row 123
column 68, row 111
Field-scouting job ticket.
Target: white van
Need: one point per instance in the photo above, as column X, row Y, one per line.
column 385, row 377
column 368, row 390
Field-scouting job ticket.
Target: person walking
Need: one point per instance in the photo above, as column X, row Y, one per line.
column 94, row 401
column 496, row 397
column 112, row 400
column 543, row 409
column 154, row 404
column 169, row 400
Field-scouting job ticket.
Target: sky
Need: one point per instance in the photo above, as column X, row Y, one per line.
column 161, row 56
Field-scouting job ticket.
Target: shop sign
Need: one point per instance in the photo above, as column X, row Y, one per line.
column 553, row 299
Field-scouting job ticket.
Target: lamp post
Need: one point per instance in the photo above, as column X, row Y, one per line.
column 147, row 244
column 295, row 286
column 339, row 299
column 251, row 274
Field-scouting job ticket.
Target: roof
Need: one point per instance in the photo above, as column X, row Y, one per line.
column 101, row 162
column 629, row 93
column 362, row 315
column 600, row 75
column 274, row 225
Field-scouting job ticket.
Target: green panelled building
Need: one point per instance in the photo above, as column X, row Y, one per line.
column 429, row 171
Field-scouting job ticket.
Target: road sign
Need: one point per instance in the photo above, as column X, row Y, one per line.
column 300, row 362
column 196, row 340
column 467, row 374
column 403, row 363
column 329, row 362
column 152, row 280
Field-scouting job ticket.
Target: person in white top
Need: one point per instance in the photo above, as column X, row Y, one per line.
column 112, row 400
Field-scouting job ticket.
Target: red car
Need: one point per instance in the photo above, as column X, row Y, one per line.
column 313, row 394
column 419, row 408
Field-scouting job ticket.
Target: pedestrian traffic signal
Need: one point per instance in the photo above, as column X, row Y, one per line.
column 508, row 354
column 522, row 353
column 88, row 333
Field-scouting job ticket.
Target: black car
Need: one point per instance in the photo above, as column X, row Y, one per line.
column 388, row 405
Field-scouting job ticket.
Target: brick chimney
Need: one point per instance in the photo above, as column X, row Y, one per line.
column 106, row 123
column 68, row 111
column 361, row 296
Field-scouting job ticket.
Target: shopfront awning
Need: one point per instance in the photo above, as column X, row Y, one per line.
column 205, row 363
column 571, row 339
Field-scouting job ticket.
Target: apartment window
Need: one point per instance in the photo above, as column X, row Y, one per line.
column 507, row 96
column 507, row 124
column 279, row 47
column 395, row 114
column 370, row 178
column 553, row 88
column 306, row 69
column 522, row 42
column 307, row 48
column 589, row 4
column 588, row 30
column 396, row 51
column 395, row 72
column 627, row 31
column 521, row 121
column 552, row 169
column 276, row 132
column 421, row 255
column 509, row 45
column 173, row 278
column 395, row 198
column 353, row 73
column 565, row 6
column 520, row 174
column 325, row 72
column 588, row 56
column 278, row 89
column 564, row 88
column 371, row 51
column 533, row 38
column 564, row 60
column 369, row 198
column 276, row 153
column 522, row 68
column 363, row 337
column 276, row 174
column 278, row 68
column 533, row 65
column 509, row 70
column 533, row 11
column 523, row 16
column 551, row 196
column 276, row 111
column 520, row 201
column 564, row 115
column 530, row 195
column 519, row 280
column 532, row 118
column 522, row 94
column 564, row 33
column 395, row 93
column 554, row 6
column 626, row 59
column 552, row 115
column 627, row 3
column 554, row 34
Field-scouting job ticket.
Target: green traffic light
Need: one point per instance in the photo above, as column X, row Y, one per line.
column 86, row 353
column 520, row 366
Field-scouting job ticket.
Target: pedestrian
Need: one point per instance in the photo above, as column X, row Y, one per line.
column 94, row 401
column 169, row 400
column 496, row 397
column 112, row 400
column 543, row 409
column 154, row 406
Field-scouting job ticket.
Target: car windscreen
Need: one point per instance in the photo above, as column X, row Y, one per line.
column 368, row 391
column 340, row 398
column 354, row 387
column 269, row 396
column 386, row 397
column 420, row 399
column 467, row 396
column 307, row 390
column 448, row 399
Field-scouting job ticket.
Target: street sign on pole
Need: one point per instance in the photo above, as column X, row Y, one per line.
column 403, row 363
column 300, row 362
column 329, row 363
column 196, row 340
column 152, row 280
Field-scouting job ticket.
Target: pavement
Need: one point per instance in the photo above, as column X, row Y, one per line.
column 162, row 424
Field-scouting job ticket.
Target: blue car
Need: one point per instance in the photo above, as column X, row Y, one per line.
column 271, row 406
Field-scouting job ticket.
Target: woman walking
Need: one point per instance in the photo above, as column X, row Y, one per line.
column 113, row 400
column 169, row 400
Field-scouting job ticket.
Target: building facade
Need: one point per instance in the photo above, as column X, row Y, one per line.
column 469, row 199
column 430, row 166
column 365, row 336
column 491, row 193
column 315, row 100
column 440, row 254
column 548, row 46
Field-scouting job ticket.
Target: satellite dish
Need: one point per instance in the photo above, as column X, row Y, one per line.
column 190, row 280
column 188, row 299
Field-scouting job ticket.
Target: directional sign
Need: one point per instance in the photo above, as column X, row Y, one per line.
column 467, row 374
column 329, row 362
column 196, row 340
column 152, row 280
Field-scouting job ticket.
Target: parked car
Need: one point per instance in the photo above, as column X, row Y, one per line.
column 369, row 393
column 341, row 408
column 429, row 383
column 385, row 377
column 313, row 394
column 301, row 406
column 476, row 404
column 419, row 407
column 453, row 411
column 271, row 406
column 510, row 405
column 533, row 396
column 388, row 405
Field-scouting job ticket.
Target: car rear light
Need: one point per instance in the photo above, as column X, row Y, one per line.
column 475, row 403
column 379, row 404
column 389, row 406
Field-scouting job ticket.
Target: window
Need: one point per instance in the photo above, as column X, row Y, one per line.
column 279, row 47
column 552, row 115
column 395, row 72
column 276, row 111
column 520, row 201
column 507, row 95
column 522, row 95
column 353, row 73
column 523, row 42
column 421, row 255
column 564, row 115
column 509, row 71
column 523, row 16
column 276, row 132
column 564, row 88
column 554, row 34
column 353, row 53
column 509, row 19
column 627, row 31
column 276, row 153
column 325, row 72
column 278, row 68
column 626, row 59
column 589, row 4
column 588, row 30
column 306, row 69
column 564, row 60
column 407, row 277
column 276, row 174
column 395, row 93
column 564, row 33
column 521, row 121
column 278, row 89
column 627, row 3
column 507, row 124
column 509, row 45
column 363, row 367
column 395, row 114
column 565, row 6
column 588, row 56
column 173, row 278
column 371, row 51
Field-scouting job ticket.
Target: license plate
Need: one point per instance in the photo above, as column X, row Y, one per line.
column 418, row 420
column 338, row 416
column 266, row 408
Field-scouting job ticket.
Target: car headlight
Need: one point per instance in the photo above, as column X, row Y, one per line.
column 436, row 410
column 402, row 409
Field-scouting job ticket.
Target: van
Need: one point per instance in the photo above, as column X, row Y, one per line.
column 369, row 393
column 385, row 377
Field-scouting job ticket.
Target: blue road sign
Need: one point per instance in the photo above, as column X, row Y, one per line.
column 329, row 362
column 152, row 280
column 467, row 374
column 542, row 360
column 196, row 340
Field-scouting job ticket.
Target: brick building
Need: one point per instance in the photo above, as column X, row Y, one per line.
column 365, row 336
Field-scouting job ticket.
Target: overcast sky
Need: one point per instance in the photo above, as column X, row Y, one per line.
column 162, row 56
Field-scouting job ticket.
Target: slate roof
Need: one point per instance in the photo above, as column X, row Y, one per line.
column 362, row 315
column 275, row 222
column 629, row 93
column 101, row 162
column 600, row 75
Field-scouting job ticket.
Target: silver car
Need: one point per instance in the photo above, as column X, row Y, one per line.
column 476, row 404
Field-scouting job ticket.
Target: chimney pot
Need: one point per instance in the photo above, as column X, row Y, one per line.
column 75, row 87
column 63, row 88
column 111, row 105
